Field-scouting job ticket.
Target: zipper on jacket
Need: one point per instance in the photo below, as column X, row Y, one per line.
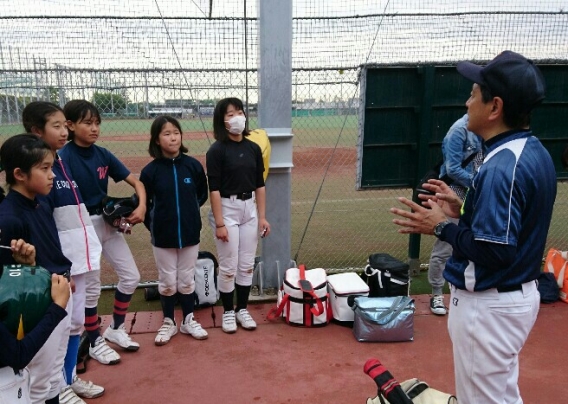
column 177, row 203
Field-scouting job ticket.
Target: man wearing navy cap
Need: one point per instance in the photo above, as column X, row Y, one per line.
column 499, row 242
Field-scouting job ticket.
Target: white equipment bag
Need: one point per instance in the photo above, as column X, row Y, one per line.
column 303, row 299
column 340, row 287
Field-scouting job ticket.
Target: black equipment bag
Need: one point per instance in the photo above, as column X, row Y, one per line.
column 386, row 276
column 548, row 288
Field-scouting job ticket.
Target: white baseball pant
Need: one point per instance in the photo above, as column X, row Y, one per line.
column 46, row 368
column 176, row 269
column 92, row 288
column 77, row 321
column 118, row 255
column 236, row 257
column 488, row 330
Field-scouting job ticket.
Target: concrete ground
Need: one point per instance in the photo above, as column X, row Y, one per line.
column 281, row 364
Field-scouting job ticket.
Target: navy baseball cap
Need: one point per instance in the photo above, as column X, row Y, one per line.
column 510, row 76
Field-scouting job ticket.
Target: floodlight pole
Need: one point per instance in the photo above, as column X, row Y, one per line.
column 275, row 116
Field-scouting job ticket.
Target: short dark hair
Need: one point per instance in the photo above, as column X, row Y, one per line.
column 219, row 130
column 511, row 116
column 21, row 151
column 37, row 113
column 77, row 110
column 153, row 148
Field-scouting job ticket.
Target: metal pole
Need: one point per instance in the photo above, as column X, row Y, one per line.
column 275, row 116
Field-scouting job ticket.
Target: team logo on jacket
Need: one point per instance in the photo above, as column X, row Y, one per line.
column 187, row 180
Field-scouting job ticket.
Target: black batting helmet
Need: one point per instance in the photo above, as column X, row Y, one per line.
column 114, row 209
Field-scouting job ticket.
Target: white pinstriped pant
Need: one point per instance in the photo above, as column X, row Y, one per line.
column 488, row 330
column 236, row 257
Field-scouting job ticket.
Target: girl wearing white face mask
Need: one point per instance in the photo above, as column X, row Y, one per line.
column 238, row 210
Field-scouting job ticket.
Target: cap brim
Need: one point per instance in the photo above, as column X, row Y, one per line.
column 471, row 71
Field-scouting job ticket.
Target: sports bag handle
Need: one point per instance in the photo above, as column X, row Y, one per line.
column 398, row 305
column 370, row 271
column 306, row 287
column 276, row 312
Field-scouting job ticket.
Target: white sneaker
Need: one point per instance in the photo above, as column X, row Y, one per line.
column 245, row 320
column 86, row 389
column 193, row 328
column 68, row 396
column 103, row 353
column 166, row 332
column 121, row 338
column 229, row 324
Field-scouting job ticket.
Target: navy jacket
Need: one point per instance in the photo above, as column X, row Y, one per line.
column 32, row 221
column 176, row 189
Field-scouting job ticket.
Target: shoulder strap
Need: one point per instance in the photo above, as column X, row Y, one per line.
column 307, row 288
column 302, row 269
column 396, row 308
column 468, row 160
column 276, row 312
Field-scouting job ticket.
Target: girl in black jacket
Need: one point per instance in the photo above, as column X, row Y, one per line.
column 176, row 187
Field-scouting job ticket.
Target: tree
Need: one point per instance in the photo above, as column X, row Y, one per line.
column 53, row 94
column 109, row 102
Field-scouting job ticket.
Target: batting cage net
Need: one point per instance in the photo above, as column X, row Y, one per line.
column 136, row 59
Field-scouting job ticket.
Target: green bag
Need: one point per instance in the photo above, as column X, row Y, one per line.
column 25, row 295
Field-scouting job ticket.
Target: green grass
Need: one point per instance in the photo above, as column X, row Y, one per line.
column 310, row 131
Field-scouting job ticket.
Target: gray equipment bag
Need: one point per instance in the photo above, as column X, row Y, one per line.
column 383, row 319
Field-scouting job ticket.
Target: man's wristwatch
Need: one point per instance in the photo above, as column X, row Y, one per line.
column 439, row 227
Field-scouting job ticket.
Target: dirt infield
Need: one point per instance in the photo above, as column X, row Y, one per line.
column 306, row 160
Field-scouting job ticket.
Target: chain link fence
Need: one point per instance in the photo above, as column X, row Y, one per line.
column 139, row 59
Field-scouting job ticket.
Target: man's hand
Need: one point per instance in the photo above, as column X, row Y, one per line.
column 444, row 196
column 420, row 220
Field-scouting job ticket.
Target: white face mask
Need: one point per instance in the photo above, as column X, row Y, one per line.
column 237, row 124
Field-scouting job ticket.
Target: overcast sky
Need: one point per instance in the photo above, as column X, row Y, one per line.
column 235, row 8
column 129, row 34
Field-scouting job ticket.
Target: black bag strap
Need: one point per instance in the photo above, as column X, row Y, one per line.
column 446, row 178
column 468, row 160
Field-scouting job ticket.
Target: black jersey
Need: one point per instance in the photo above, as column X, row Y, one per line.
column 234, row 167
